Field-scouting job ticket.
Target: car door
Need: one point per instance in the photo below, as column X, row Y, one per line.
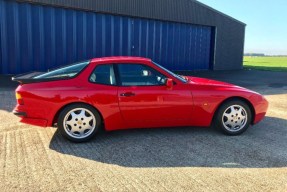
column 146, row 101
column 102, row 92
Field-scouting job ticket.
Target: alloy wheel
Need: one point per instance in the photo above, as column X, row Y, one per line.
column 79, row 123
column 234, row 118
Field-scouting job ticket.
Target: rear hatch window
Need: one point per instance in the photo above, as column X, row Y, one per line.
column 64, row 72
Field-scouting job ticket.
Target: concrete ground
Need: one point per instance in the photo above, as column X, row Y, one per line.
column 178, row 159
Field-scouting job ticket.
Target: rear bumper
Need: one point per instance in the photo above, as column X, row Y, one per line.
column 36, row 122
column 30, row 121
column 19, row 114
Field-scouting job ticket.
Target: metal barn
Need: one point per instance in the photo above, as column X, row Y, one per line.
column 180, row 35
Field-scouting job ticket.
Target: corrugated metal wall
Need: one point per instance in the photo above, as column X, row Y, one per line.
column 229, row 31
column 36, row 37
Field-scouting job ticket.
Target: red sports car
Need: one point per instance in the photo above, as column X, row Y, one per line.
column 130, row 92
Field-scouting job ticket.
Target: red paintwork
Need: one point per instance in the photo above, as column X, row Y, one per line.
column 190, row 104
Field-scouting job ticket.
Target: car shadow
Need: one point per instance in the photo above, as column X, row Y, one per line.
column 7, row 99
column 262, row 146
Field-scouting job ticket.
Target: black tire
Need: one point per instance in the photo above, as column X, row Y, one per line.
column 82, row 128
column 224, row 116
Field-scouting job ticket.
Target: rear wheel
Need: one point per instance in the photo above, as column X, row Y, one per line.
column 79, row 122
column 233, row 117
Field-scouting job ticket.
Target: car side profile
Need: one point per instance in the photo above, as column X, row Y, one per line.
column 116, row 93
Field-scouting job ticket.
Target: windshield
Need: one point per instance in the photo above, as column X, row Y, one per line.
column 171, row 73
column 64, row 72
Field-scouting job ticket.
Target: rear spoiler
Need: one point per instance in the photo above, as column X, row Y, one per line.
column 28, row 78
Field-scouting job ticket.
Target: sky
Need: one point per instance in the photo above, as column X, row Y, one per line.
column 266, row 30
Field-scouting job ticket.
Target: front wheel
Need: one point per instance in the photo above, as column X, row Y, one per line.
column 233, row 117
column 79, row 122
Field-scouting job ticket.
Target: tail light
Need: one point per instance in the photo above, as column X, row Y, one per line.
column 19, row 99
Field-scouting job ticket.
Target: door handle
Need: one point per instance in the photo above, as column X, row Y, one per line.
column 127, row 94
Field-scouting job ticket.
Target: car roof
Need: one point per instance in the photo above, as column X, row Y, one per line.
column 120, row 58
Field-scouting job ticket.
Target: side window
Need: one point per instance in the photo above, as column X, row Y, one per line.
column 139, row 75
column 103, row 74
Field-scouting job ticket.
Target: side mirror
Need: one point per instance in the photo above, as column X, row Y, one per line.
column 169, row 83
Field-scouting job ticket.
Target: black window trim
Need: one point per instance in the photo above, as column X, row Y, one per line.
column 117, row 74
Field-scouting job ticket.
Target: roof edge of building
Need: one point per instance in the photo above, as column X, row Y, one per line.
column 219, row 12
column 92, row 10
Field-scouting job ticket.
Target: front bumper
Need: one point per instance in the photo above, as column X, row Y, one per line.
column 260, row 110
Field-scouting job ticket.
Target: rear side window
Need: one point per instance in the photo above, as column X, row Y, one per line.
column 64, row 72
column 103, row 74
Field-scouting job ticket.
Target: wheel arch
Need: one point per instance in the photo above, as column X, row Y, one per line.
column 55, row 119
column 251, row 107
